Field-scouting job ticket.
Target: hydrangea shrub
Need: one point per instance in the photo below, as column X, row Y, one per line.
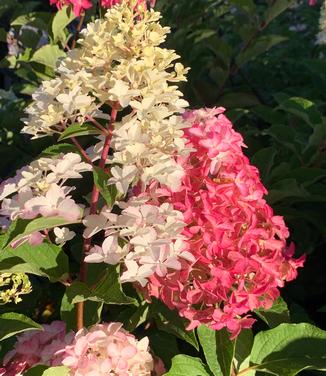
column 161, row 197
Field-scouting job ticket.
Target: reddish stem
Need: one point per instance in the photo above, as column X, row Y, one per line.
column 93, row 210
column 97, row 124
column 81, row 150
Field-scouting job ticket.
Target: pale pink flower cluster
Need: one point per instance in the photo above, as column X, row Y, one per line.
column 104, row 349
column 108, row 349
column 151, row 236
column 37, row 347
column 39, row 190
column 79, row 6
column 237, row 243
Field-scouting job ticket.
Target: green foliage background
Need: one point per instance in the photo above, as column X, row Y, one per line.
column 259, row 60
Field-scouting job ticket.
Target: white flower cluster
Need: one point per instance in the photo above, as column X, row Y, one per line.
column 321, row 36
column 119, row 61
column 146, row 149
column 38, row 189
column 145, row 238
column 58, row 103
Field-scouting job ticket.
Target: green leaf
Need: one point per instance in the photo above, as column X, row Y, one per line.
column 285, row 188
column 306, row 175
column 57, row 371
column 107, row 290
column 276, row 315
column 208, row 341
column 247, row 5
column 163, row 345
column 6, row 5
column 236, row 114
column 29, row 38
column 54, row 150
column 109, row 192
column 47, row 260
column 76, row 130
column 299, row 315
column 281, row 133
column 184, row 365
column 24, row 19
column 78, row 292
column 61, row 19
column 13, row 323
column 92, row 313
column 303, row 108
column 264, row 160
column 218, row 349
column 170, row 322
column 261, row 45
column 268, row 114
column 8, row 62
column 3, row 35
column 37, row 19
column 43, row 72
column 238, row 100
column 26, row 73
column 278, row 7
column 23, row 227
column 322, row 309
column 243, row 346
column 318, row 135
column 289, row 349
column 221, row 50
column 138, row 317
column 9, row 95
column 41, row 370
column 48, row 55
column 218, row 75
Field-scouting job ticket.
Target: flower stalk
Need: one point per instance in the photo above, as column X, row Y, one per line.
column 93, row 209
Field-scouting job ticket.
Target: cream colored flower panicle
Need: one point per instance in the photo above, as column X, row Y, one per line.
column 119, row 61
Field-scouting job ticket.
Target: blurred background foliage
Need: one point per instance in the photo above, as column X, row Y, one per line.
column 258, row 59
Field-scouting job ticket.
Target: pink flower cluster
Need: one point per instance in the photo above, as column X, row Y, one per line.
column 109, row 3
column 107, row 349
column 239, row 245
column 36, row 347
column 79, row 6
